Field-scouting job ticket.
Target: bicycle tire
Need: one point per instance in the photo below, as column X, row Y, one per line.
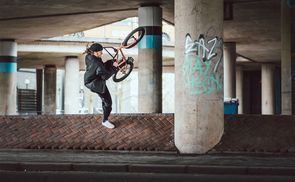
column 115, row 79
column 141, row 32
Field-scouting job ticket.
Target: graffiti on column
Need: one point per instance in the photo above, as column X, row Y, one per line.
column 203, row 59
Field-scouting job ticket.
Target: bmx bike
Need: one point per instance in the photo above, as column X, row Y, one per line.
column 125, row 64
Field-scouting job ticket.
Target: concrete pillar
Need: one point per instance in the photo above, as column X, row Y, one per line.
column 277, row 90
column 50, row 89
column 89, row 100
column 150, row 62
column 199, row 115
column 71, row 102
column 247, row 92
column 8, row 77
column 229, row 51
column 267, row 89
column 286, row 69
column 239, row 88
column 39, row 86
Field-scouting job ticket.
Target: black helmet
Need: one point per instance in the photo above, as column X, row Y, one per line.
column 96, row 47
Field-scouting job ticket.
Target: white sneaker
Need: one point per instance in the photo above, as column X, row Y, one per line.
column 108, row 124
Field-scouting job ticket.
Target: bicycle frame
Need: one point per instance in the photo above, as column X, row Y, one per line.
column 116, row 56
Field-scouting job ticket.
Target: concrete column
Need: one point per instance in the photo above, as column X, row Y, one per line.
column 150, row 62
column 267, row 89
column 239, row 88
column 39, row 86
column 229, row 51
column 286, row 69
column 89, row 99
column 72, row 83
column 8, row 77
column 277, row 90
column 50, row 89
column 199, row 115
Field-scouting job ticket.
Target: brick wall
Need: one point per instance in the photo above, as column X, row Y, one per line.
column 149, row 132
column 133, row 132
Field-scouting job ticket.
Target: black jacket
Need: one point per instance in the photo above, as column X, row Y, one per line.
column 96, row 74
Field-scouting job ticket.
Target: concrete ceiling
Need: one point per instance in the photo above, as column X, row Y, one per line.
column 34, row 19
column 255, row 25
column 256, row 30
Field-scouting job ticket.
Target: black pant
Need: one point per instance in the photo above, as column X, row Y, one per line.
column 109, row 66
column 106, row 103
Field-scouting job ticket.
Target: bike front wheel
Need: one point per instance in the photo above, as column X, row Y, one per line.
column 123, row 72
column 133, row 37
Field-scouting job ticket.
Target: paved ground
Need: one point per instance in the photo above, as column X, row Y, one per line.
column 130, row 157
column 134, row 161
column 54, row 165
column 135, row 177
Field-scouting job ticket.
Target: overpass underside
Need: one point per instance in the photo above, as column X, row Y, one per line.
column 142, row 132
column 210, row 43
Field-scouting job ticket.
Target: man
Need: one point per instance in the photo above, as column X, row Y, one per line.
column 95, row 78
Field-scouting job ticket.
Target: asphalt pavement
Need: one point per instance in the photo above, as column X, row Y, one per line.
column 70, row 165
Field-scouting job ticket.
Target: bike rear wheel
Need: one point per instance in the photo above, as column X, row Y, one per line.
column 123, row 72
column 133, row 37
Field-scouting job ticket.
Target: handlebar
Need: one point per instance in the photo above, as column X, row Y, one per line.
column 114, row 49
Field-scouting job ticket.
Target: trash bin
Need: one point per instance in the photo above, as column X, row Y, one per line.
column 231, row 105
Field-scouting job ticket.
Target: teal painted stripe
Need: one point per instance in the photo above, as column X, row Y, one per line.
column 150, row 42
column 7, row 67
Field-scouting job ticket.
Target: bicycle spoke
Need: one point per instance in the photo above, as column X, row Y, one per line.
column 123, row 71
column 133, row 38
